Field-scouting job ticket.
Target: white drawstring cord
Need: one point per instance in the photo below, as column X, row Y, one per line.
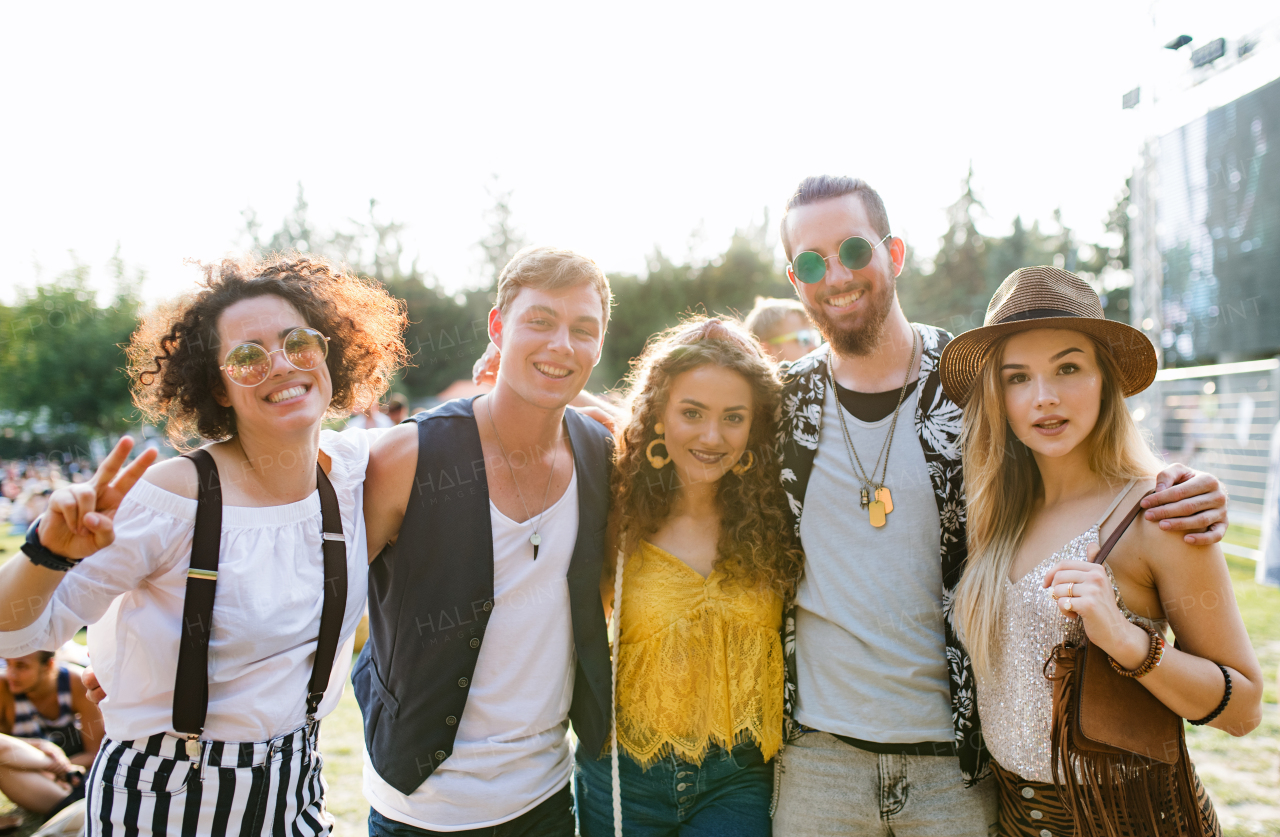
column 613, row 703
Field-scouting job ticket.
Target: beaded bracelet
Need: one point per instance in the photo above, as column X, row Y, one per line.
column 1154, row 656
column 1226, row 698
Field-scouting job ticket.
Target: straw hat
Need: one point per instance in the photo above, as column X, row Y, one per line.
column 1046, row 297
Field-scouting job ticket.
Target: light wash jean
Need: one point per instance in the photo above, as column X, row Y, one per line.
column 829, row 788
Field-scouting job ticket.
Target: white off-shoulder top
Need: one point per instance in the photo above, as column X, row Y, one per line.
column 266, row 613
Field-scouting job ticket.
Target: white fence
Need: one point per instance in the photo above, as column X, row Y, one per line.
column 1219, row 419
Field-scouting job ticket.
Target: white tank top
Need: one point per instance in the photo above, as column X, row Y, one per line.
column 512, row 750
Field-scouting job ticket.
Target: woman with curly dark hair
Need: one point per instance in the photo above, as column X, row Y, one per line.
column 707, row 559
column 224, row 589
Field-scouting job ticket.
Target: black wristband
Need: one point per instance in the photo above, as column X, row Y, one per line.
column 1226, row 698
column 41, row 555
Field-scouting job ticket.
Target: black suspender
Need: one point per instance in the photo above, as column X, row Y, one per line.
column 191, row 686
column 335, row 592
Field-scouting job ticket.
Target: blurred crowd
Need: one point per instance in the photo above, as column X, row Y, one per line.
column 25, row 486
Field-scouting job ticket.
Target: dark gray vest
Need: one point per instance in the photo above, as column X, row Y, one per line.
column 431, row 594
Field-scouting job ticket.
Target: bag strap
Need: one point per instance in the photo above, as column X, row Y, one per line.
column 1124, row 524
column 191, row 687
column 335, row 593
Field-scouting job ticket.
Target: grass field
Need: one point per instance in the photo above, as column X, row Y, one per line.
column 1242, row 774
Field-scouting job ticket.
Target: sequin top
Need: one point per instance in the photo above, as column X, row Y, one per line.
column 1015, row 701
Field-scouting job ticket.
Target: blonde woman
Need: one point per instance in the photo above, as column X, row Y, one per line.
column 1053, row 461
column 698, row 511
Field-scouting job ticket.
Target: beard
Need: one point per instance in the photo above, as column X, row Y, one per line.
column 863, row 337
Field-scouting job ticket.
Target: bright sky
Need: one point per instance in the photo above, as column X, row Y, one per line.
column 617, row 128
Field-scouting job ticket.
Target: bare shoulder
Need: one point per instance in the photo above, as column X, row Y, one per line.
column 1164, row 551
column 176, row 475
column 388, row 481
column 394, row 453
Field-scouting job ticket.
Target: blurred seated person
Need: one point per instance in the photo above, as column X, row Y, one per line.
column 397, row 408
column 44, row 700
column 40, row 780
column 783, row 328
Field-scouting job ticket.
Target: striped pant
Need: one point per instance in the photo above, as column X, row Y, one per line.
column 151, row 787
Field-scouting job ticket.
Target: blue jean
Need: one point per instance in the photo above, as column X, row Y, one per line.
column 551, row 818
column 727, row 796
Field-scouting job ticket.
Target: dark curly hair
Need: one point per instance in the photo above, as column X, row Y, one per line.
column 757, row 543
column 174, row 354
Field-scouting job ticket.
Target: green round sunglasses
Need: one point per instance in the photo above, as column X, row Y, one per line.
column 855, row 253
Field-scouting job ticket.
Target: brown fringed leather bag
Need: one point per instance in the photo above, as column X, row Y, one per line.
column 1125, row 753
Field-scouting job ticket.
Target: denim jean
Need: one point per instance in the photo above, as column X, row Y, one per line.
column 829, row 787
column 551, row 818
column 727, row 796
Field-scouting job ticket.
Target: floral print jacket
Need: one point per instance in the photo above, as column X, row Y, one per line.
column 937, row 423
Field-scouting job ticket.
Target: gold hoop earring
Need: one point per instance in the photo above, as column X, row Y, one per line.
column 658, row 461
column 741, row 469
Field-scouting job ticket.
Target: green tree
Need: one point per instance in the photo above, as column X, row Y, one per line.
column 61, row 362
column 956, row 289
column 503, row 240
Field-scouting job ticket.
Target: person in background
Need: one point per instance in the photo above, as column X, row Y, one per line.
column 370, row 418
column 397, row 408
column 43, row 700
column 783, row 328
column 41, row 781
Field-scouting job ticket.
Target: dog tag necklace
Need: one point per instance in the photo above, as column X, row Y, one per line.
column 535, row 538
column 878, row 508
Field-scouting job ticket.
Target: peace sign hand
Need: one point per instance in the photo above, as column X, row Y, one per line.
column 79, row 520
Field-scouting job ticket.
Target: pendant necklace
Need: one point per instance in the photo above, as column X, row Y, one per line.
column 535, row 538
column 883, row 502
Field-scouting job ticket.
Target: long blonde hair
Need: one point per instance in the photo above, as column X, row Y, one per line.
column 1002, row 484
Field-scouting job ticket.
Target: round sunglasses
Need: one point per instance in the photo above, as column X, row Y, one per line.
column 249, row 364
column 855, row 253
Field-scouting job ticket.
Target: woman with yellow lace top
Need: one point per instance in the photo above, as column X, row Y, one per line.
column 698, row 525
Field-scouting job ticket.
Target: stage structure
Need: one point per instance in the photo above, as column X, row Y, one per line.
column 1205, row 255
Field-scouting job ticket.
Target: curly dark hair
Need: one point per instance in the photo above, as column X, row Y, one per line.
column 757, row 543
column 173, row 356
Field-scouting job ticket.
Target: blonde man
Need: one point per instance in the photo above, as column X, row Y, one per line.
column 487, row 636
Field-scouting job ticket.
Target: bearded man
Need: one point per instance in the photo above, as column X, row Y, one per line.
column 883, row 730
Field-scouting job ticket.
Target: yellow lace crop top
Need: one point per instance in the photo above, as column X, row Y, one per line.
column 699, row 662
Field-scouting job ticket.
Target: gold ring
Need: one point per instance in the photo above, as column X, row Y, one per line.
column 1071, row 589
